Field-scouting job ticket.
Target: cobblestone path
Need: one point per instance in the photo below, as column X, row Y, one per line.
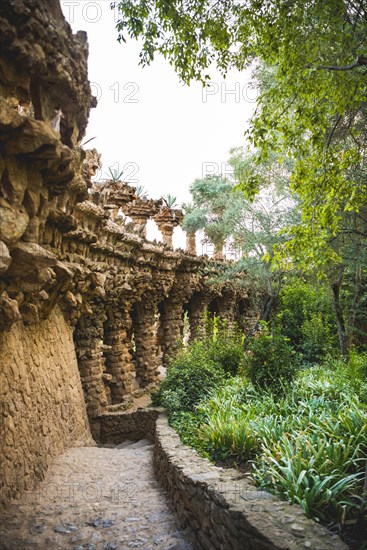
column 96, row 499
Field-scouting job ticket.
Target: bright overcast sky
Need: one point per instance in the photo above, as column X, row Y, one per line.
column 163, row 133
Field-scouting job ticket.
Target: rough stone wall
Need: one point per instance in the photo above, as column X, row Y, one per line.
column 225, row 510
column 41, row 399
column 121, row 426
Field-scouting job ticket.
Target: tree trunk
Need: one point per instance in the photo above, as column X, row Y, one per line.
column 342, row 333
column 360, row 289
column 267, row 307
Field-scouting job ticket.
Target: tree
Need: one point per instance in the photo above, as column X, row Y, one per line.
column 333, row 231
column 255, row 227
column 310, row 62
column 216, row 208
column 317, row 53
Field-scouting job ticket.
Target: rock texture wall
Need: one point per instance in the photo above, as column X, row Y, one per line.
column 41, row 400
column 117, row 427
column 70, row 267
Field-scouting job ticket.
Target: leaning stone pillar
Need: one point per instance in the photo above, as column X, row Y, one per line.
column 197, row 308
column 118, row 358
column 88, row 338
column 191, row 242
column 145, row 325
column 171, row 319
column 167, row 219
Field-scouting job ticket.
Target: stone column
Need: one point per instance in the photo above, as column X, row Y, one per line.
column 88, row 338
column 191, row 242
column 197, row 308
column 167, row 219
column 118, row 358
column 167, row 233
column 171, row 320
column 140, row 211
column 140, row 224
column 145, row 325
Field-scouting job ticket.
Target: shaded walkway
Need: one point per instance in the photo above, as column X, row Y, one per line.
column 93, row 499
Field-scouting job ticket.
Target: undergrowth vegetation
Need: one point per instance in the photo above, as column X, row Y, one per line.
column 300, row 428
column 308, row 446
column 305, row 316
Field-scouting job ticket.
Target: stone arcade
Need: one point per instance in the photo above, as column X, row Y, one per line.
column 76, row 287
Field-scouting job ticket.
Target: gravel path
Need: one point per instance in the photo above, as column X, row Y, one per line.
column 96, row 499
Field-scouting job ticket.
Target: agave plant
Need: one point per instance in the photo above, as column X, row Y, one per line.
column 141, row 192
column 169, row 200
column 114, row 174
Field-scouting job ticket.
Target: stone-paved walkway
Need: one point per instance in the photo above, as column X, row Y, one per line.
column 96, row 499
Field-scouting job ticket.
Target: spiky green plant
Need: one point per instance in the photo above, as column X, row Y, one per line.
column 169, row 200
column 141, row 192
column 115, row 175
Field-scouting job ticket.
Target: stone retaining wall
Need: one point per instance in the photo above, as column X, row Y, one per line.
column 119, row 426
column 225, row 509
column 42, row 410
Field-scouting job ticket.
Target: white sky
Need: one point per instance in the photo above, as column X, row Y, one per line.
column 161, row 131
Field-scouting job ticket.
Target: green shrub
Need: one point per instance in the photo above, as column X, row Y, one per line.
column 270, row 360
column 202, row 366
column 358, row 373
column 187, row 425
column 224, row 345
column 227, row 436
column 317, row 338
column 358, row 365
column 189, row 377
column 228, row 353
column 303, row 468
column 226, row 430
column 336, row 375
column 318, row 460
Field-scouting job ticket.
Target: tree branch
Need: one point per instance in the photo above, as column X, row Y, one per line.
column 360, row 62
